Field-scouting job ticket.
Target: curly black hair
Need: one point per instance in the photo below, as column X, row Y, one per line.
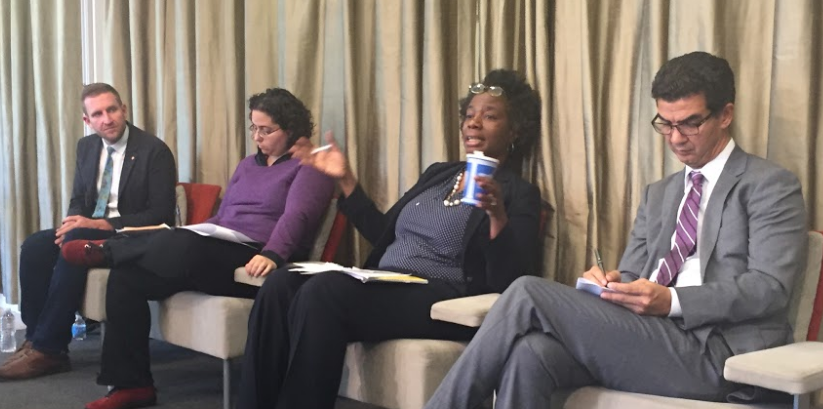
column 522, row 109
column 286, row 110
column 696, row 73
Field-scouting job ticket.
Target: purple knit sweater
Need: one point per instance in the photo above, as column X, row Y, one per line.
column 280, row 206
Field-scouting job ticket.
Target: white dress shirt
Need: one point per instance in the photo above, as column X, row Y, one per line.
column 690, row 271
column 117, row 157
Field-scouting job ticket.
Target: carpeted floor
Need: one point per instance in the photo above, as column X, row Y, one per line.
column 185, row 380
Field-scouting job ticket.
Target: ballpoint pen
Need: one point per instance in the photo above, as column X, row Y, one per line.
column 599, row 261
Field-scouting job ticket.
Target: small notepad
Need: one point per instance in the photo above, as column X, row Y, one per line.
column 584, row 284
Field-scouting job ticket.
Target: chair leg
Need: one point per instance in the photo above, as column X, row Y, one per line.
column 802, row 401
column 226, row 384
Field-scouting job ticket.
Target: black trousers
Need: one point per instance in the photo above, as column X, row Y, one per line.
column 51, row 288
column 300, row 325
column 209, row 267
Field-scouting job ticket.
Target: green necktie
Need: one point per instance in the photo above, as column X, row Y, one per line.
column 105, row 188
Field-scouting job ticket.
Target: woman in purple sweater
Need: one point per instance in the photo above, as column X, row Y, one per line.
column 271, row 199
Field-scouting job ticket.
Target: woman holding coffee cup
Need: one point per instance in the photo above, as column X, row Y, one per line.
column 463, row 244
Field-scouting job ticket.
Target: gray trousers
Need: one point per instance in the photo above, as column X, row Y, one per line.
column 542, row 336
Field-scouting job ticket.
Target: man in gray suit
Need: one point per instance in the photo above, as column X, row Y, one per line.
column 707, row 274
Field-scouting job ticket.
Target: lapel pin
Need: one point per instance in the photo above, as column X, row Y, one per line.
column 132, row 158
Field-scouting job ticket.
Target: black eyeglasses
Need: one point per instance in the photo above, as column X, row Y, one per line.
column 479, row 88
column 685, row 129
column 262, row 131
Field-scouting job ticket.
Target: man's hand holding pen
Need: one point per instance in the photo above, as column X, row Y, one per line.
column 598, row 273
column 595, row 274
column 641, row 296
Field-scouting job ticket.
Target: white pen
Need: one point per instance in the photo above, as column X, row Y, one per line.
column 320, row 149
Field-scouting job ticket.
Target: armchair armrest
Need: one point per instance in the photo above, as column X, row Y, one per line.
column 241, row 276
column 468, row 311
column 795, row 368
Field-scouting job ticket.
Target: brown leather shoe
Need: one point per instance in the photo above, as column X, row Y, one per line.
column 33, row 364
column 17, row 354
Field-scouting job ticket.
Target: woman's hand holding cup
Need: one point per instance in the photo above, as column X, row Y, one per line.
column 490, row 199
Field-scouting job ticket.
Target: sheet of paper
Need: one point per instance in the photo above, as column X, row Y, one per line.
column 218, row 232
column 311, row 267
column 584, row 284
column 145, row 228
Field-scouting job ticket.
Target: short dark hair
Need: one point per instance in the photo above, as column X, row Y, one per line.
column 286, row 110
column 95, row 89
column 696, row 73
column 522, row 108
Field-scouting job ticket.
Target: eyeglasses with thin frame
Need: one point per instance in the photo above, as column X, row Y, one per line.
column 685, row 129
column 261, row 130
column 479, row 88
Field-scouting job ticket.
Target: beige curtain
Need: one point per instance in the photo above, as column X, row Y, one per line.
column 179, row 63
column 386, row 75
column 40, row 120
column 603, row 150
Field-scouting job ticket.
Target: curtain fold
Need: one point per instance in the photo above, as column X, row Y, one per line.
column 179, row 65
column 40, row 121
column 386, row 76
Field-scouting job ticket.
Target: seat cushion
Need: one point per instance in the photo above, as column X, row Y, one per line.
column 602, row 398
column 397, row 374
column 213, row 325
column 94, row 303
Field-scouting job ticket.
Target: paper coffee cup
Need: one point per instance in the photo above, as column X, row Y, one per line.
column 477, row 164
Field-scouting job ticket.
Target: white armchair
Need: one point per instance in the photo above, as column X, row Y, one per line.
column 209, row 324
column 796, row 369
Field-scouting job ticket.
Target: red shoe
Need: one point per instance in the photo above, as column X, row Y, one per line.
column 86, row 253
column 130, row 398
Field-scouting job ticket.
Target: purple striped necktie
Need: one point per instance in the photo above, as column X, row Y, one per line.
column 685, row 241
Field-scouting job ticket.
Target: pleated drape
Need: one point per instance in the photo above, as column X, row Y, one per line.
column 40, row 120
column 386, row 76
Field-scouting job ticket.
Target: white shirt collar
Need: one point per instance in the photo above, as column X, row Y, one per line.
column 712, row 170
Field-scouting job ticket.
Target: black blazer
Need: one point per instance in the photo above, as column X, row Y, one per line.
column 488, row 265
column 146, row 191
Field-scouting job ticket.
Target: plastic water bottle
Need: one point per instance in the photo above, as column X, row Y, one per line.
column 8, row 343
column 78, row 330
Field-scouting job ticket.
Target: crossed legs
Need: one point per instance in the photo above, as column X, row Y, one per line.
column 541, row 336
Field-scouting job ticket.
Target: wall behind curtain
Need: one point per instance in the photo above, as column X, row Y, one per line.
column 40, row 120
column 386, row 77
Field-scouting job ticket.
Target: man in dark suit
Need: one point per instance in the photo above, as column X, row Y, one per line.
column 124, row 177
column 707, row 274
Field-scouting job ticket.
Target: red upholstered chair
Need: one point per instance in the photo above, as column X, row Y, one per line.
column 200, row 201
column 334, row 237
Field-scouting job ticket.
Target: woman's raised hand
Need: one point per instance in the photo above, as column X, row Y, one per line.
column 327, row 159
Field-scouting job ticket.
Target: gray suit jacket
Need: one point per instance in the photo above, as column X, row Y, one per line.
column 752, row 247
